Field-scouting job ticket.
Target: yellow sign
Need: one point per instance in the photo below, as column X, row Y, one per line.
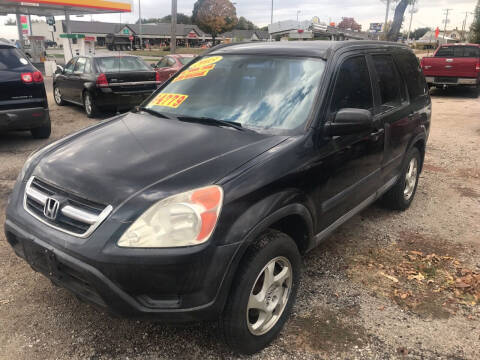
column 194, row 72
column 168, row 100
column 199, row 69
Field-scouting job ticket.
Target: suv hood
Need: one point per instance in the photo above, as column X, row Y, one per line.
column 111, row 162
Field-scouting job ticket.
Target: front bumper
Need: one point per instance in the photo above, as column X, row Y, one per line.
column 431, row 80
column 178, row 285
column 24, row 119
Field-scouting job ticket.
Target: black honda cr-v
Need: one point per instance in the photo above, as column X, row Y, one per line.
column 199, row 204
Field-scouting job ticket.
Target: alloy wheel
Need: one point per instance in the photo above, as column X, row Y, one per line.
column 269, row 296
column 58, row 95
column 411, row 178
column 88, row 104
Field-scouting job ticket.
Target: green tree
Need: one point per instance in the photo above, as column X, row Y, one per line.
column 244, row 24
column 181, row 19
column 214, row 16
column 475, row 29
column 418, row 33
column 10, row 22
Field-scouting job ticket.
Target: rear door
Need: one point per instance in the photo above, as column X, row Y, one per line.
column 14, row 93
column 455, row 61
column 166, row 68
column 392, row 110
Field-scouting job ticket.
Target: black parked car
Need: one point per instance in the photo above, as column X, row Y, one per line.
column 23, row 100
column 198, row 205
column 104, row 83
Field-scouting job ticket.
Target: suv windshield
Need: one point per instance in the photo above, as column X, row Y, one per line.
column 258, row 92
column 121, row 64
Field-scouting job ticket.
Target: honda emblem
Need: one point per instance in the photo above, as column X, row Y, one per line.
column 51, row 207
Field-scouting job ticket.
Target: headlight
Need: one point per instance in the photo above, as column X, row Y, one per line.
column 185, row 219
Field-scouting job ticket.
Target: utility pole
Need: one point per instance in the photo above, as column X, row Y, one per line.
column 464, row 25
column 411, row 19
column 298, row 13
column 140, row 23
column 271, row 14
column 386, row 18
column 447, row 11
column 173, row 35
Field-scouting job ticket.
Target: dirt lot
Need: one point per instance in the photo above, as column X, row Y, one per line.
column 386, row 285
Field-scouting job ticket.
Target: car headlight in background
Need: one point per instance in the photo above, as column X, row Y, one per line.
column 185, row 219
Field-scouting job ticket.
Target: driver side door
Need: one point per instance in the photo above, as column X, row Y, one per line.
column 353, row 161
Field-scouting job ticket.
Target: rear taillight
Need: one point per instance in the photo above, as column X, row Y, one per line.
column 477, row 68
column 102, row 80
column 29, row 78
column 37, row 77
column 157, row 77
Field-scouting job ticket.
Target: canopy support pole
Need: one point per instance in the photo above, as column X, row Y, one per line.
column 20, row 32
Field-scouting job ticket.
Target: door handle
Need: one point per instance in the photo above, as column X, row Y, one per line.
column 378, row 132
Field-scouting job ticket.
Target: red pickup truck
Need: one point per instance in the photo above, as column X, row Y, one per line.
column 453, row 65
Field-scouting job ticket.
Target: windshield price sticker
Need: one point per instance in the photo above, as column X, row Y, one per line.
column 168, row 100
column 199, row 69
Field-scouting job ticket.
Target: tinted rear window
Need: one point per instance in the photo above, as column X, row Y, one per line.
column 412, row 73
column 121, row 64
column 11, row 58
column 458, row 51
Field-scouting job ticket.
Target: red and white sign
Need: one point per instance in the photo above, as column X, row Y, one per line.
column 89, row 38
column 192, row 35
column 130, row 38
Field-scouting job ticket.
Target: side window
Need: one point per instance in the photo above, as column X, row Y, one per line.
column 80, row 66
column 412, row 72
column 353, row 88
column 163, row 62
column 70, row 65
column 389, row 82
column 88, row 66
column 170, row 62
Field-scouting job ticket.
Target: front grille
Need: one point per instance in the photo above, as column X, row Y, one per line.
column 448, row 80
column 75, row 216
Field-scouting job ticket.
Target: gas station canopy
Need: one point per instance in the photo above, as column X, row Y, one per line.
column 59, row 7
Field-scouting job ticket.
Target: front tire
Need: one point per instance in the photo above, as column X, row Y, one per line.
column 401, row 195
column 263, row 293
column 57, row 95
column 89, row 105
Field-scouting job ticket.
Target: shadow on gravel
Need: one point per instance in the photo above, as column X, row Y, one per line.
column 455, row 92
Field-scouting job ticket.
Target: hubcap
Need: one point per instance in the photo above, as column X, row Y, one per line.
column 88, row 104
column 410, row 178
column 269, row 296
column 58, row 95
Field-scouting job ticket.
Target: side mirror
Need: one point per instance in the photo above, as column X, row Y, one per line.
column 59, row 70
column 350, row 121
column 153, row 66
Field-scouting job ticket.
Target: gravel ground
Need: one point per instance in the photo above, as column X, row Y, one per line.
column 386, row 285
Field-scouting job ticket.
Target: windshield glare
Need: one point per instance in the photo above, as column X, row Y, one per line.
column 258, row 92
column 121, row 64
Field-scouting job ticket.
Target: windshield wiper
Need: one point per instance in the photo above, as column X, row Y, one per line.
column 153, row 112
column 211, row 121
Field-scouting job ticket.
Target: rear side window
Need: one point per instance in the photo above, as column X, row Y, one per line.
column 389, row 82
column 353, row 88
column 11, row 58
column 458, row 51
column 412, row 72
column 121, row 64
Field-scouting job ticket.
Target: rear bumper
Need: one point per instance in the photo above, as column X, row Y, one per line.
column 453, row 81
column 106, row 98
column 24, row 119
